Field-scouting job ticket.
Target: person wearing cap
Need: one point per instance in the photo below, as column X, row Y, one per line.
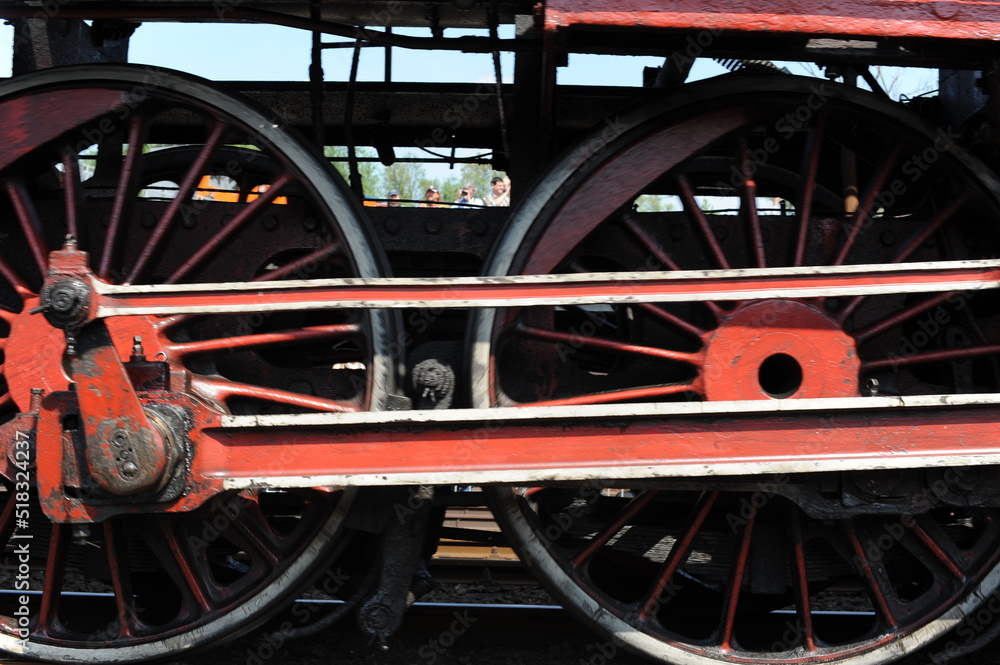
column 498, row 197
column 432, row 198
column 467, row 196
column 394, row 198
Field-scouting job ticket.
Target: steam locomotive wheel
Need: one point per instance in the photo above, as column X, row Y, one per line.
column 751, row 173
column 83, row 163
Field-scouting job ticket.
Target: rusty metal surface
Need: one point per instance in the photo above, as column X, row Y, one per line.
column 875, row 18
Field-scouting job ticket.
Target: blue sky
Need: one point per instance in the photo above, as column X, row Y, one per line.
column 234, row 52
column 260, row 52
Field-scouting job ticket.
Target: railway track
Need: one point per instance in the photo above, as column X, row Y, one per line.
column 466, row 621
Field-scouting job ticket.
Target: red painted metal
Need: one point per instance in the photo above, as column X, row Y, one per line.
column 33, row 121
column 59, row 473
column 126, row 453
column 800, row 578
column 709, row 442
column 946, row 19
column 753, row 334
column 491, row 292
column 734, row 583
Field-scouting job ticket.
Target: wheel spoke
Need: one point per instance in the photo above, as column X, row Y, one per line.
column 224, row 390
column 748, row 192
column 121, row 581
column 645, row 393
column 809, row 169
column 935, row 547
column 55, row 567
column 178, row 203
column 677, row 321
column 800, row 577
column 30, row 223
column 736, row 574
column 872, row 576
column 922, row 236
column 128, row 179
column 16, row 282
column 299, row 265
column 231, row 344
column 866, row 208
column 71, row 192
column 931, row 227
column 899, row 318
column 648, row 243
column 653, row 599
column 604, row 535
column 179, row 562
column 291, row 268
column 574, row 341
column 701, row 222
column 654, row 248
column 249, row 211
column 944, row 355
column 252, row 532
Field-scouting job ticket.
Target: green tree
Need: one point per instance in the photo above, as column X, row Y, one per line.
column 408, row 177
column 371, row 172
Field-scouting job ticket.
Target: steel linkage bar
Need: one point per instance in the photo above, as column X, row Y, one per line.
column 529, row 290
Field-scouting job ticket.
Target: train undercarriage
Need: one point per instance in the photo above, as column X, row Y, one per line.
column 700, row 426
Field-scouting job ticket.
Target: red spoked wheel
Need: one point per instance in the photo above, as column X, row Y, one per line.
column 85, row 160
column 753, row 173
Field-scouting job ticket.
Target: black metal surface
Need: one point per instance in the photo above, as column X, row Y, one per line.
column 402, row 543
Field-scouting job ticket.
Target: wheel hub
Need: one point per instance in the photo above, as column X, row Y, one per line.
column 780, row 349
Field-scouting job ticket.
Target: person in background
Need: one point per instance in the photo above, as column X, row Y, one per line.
column 432, row 198
column 498, row 197
column 394, row 198
column 467, row 196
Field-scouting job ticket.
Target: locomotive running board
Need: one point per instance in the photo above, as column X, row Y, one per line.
column 631, row 441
